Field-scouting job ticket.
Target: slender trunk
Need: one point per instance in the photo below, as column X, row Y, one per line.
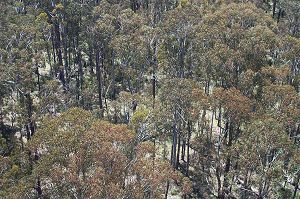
column 229, row 134
column 183, row 148
column 1, row 110
column 99, row 82
column 53, row 51
column 91, row 64
column 24, row 7
column 167, row 190
column 77, row 88
column 174, row 141
column 154, row 64
column 218, row 175
column 30, row 124
column 207, row 87
column 58, row 43
column 261, row 190
column 188, row 148
column 47, row 50
column 274, row 8
column 69, row 50
column 181, row 56
column 38, row 78
column 211, row 125
column 178, row 150
column 279, row 15
column 203, row 121
column 135, row 5
column 296, row 184
column 38, row 187
column 153, row 88
column 65, row 52
column 59, row 54
column 113, row 75
column 80, row 79
column 297, row 135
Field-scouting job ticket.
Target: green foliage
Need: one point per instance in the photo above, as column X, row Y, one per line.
column 213, row 84
column 139, row 117
column 183, row 3
column 284, row 193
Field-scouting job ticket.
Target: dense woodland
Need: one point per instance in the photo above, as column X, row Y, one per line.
column 133, row 99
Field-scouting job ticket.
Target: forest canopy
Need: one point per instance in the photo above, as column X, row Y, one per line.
column 146, row 99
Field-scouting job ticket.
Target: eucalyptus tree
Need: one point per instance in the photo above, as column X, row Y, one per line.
column 228, row 43
column 175, row 52
column 78, row 156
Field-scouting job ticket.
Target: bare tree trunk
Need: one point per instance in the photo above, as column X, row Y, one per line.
column 183, row 148
column 99, row 81
column 274, row 8
column 178, row 150
column 174, row 141
column 181, row 57
column 188, row 148
column 167, row 190
column 30, row 124
column 114, row 92
column 59, row 54
column 1, row 110
column 38, row 77
column 296, row 184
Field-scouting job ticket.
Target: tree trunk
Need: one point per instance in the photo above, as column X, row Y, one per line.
column 183, row 148
column 174, row 141
column 59, row 54
column 167, row 190
column 99, row 81
column 274, row 8
column 91, row 64
column 188, row 148
column 1, row 111
column 228, row 160
column 80, row 78
column 181, row 57
column 178, row 150
column 53, row 51
column 65, row 51
column 30, row 124
column 38, row 77
column 296, row 186
column 153, row 88
column 218, row 175
column 114, row 92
